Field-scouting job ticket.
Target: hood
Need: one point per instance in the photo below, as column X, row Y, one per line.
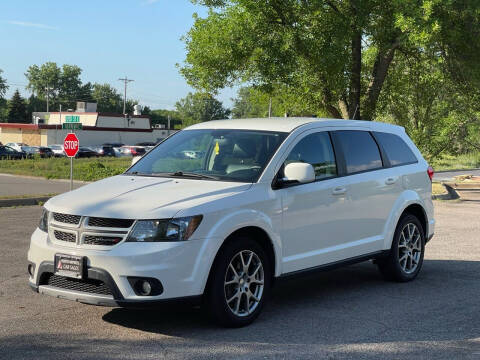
column 140, row 197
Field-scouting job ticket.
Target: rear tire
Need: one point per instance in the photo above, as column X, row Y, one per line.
column 405, row 258
column 239, row 283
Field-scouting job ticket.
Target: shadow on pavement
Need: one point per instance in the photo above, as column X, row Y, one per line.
column 346, row 313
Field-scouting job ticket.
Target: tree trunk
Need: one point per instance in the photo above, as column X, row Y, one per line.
column 355, row 77
column 379, row 73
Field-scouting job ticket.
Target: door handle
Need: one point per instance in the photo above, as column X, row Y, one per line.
column 391, row 181
column 339, row 190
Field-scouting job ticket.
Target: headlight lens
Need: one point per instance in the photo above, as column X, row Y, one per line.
column 43, row 224
column 179, row 229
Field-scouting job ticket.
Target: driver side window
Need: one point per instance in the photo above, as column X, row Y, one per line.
column 315, row 149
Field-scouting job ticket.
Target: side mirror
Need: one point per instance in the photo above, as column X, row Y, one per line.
column 298, row 172
column 135, row 159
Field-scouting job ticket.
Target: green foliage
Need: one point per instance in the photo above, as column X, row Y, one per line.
column 161, row 116
column 17, row 109
column 64, row 84
column 107, row 97
column 253, row 102
column 333, row 55
column 199, row 107
column 3, row 85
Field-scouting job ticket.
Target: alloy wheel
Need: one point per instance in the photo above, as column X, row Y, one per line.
column 409, row 248
column 244, row 283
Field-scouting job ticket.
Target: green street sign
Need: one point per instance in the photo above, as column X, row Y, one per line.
column 72, row 119
column 72, row 126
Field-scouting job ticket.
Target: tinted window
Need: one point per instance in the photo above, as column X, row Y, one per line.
column 397, row 151
column 360, row 150
column 315, row 149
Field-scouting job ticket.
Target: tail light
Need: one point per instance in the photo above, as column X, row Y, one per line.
column 430, row 173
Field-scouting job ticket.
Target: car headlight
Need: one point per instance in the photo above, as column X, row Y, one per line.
column 43, row 224
column 179, row 229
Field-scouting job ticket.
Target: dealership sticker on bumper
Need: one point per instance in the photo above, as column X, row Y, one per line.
column 69, row 265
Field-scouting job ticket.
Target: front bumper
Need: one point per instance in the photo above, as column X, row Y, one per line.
column 177, row 266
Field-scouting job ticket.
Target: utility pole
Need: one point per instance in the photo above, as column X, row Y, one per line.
column 47, row 89
column 125, row 81
column 270, row 107
column 168, row 131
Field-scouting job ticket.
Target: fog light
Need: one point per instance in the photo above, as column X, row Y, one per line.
column 146, row 288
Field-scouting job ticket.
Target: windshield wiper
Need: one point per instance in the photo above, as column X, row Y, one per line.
column 193, row 175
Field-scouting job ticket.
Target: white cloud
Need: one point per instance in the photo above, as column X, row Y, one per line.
column 30, row 24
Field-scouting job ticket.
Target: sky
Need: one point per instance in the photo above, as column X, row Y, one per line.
column 107, row 39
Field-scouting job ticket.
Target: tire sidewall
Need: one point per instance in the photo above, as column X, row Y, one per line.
column 407, row 219
column 216, row 292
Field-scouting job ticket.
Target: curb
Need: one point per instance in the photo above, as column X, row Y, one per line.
column 24, row 201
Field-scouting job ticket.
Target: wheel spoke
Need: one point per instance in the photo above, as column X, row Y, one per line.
column 235, row 296
column 233, row 281
column 233, row 269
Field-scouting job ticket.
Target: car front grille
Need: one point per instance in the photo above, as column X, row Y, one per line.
column 90, row 286
column 66, row 218
column 64, row 236
column 101, row 240
column 109, row 223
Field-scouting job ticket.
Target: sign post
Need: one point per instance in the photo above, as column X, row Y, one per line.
column 71, row 146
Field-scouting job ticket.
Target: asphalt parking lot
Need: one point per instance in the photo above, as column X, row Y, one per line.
column 347, row 313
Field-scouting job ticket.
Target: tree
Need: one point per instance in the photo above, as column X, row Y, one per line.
column 161, row 116
column 17, row 110
column 63, row 84
column 253, row 102
column 199, row 107
column 333, row 54
column 3, row 85
column 107, row 97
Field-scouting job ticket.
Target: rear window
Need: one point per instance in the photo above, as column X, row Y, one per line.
column 397, row 151
column 360, row 150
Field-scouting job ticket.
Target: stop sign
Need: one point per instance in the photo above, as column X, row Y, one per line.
column 71, row 145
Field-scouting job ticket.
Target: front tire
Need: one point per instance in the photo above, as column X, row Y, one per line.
column 239, row 283
column 405, row 259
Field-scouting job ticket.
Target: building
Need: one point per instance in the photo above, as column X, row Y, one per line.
column 97, row 128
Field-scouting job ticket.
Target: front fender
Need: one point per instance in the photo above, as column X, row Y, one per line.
column 222, row 229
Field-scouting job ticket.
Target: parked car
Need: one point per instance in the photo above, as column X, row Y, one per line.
column 147, row 145
column 266, row 200
column 131, row 151
column 16, row 146
column 29, row 151
column 86, row 152
column 115, row 145
column 8, row 153
column 57, row 150
column 104, row 150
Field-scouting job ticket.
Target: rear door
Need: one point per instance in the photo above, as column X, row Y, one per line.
column 372, row 189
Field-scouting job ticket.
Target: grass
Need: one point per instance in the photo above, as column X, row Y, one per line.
column 88, row 169
column 450, row 162
column 438, row 189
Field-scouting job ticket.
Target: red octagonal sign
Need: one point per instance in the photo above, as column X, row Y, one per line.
column 71, row 145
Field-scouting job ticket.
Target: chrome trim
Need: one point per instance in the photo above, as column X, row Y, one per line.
column 93, row 299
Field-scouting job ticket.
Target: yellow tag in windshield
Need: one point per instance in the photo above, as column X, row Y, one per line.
column 217, row 148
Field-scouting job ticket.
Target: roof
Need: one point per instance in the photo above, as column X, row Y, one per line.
column 287, row 124
column 106, row 114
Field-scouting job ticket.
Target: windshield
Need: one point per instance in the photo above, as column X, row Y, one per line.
column 231, row 155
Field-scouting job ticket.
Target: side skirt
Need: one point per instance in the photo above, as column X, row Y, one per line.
column 333, row 265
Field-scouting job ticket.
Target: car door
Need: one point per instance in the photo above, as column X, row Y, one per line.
column 372, row 188
column 314, row 224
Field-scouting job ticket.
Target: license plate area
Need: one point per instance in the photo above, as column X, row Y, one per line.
column 69, row 265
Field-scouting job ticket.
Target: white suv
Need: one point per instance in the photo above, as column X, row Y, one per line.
column 263, row 199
